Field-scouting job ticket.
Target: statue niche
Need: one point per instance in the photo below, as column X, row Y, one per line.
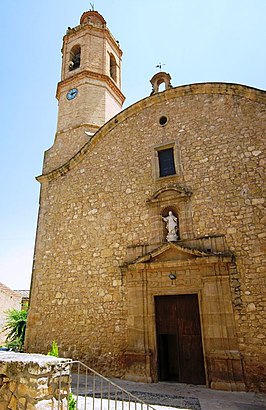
column 172, row 225
column 174, row 198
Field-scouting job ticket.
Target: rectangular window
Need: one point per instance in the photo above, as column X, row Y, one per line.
column 166, row 162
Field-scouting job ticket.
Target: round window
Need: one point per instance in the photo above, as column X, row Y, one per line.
column 163, row 120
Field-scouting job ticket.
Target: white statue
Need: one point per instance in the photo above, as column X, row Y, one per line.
column 171, row 226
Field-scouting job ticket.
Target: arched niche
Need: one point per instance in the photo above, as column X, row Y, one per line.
column 160, row 82
column 75, row 54
column 113, row 68
column 175, row 198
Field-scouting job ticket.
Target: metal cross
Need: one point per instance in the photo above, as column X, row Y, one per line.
column 160, row 66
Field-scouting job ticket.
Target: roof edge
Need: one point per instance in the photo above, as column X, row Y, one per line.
column 240, row 90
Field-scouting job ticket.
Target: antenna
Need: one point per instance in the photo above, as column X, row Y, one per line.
column 92, row 6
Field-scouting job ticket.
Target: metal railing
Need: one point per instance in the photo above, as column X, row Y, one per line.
column 92, row 391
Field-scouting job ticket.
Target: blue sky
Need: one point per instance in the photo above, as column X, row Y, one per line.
column 197, row 40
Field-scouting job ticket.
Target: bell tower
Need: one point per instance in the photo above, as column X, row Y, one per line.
column 89, row 93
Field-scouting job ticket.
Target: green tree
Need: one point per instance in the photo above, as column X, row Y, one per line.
column 16, row 327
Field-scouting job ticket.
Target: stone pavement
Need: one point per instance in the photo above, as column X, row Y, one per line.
column 193, row 397
column 177, row 395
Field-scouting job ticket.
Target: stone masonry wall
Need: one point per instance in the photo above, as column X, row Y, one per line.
column 97, row 205
column 31, row 382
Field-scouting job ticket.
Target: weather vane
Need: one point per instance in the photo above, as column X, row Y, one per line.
column 92, row 6
column 160, row 66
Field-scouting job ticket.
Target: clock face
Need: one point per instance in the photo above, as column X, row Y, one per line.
column 72, row 94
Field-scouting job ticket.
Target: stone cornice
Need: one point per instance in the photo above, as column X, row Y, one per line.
column 83, row 125
column 165, row 247
column 104, row 30
column 161, row 265
column 190, row 257
column 96, row 76
column 181, row 91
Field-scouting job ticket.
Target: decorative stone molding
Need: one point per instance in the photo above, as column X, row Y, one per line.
column 193, row 272
column 175, row 191
column 181, row 251
column 96, row 76
column 175, row 198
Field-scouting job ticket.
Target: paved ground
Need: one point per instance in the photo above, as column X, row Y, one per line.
column 180, row 396
column 195, row 397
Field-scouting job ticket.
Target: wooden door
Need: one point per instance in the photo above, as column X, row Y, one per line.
column 179, row 345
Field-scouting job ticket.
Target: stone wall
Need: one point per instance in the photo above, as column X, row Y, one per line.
column 29, row 382
column 108, row 198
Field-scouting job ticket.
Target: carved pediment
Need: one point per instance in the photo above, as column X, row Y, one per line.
column 171, row 251
column 170, row 192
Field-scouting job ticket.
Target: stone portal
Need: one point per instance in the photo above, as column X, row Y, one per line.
column 166, row 288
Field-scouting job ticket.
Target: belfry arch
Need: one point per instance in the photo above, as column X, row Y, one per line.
column 75, row 54
column 159, row 79
column 113, row 68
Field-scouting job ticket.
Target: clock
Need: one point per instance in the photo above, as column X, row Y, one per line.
column 71, row 94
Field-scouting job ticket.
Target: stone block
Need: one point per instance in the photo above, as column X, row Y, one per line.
column 12, row 405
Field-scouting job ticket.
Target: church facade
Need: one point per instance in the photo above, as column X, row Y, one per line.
column 150, row 248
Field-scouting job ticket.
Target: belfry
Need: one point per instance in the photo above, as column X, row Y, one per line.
column 89, row 93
